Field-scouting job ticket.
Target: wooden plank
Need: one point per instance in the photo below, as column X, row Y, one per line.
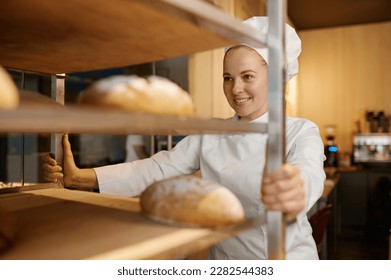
column 75, row 36
column 63, row 224
column 83, row 119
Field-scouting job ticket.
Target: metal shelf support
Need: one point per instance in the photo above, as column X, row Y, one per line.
column 276, row 224
column 58, row 95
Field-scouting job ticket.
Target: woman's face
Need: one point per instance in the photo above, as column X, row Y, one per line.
column 245, row 82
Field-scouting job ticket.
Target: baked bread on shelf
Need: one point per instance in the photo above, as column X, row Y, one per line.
column 9, row 94
column 153, row 94
column 189, row 200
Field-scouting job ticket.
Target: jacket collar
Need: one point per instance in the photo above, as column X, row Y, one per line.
column 262, row 119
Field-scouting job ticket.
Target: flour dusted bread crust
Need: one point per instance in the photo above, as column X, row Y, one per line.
column 188, row 200
column 9, row 95
column 153, row 94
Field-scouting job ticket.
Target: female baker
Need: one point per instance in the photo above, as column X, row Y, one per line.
column 234, row 161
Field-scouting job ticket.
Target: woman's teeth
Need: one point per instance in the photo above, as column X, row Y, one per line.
column 241, row 100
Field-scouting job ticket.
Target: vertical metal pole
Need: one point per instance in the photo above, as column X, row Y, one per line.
column 152, row 137
column 22, row 158
column 57, row 94
column 169, row 142
column 276, row 224
column 153, row 68
column 152, row 145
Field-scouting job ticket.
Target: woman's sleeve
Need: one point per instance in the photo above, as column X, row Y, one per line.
column 131, row 178
column 307, row 153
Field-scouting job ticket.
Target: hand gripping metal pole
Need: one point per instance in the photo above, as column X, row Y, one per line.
column 57, row 94
column 275, row 220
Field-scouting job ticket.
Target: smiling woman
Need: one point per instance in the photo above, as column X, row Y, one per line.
column 236, row 162
column 245, row 82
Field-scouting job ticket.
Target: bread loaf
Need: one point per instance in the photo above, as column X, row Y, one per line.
column 9, row 94
column 188, row 200
column 155, row 95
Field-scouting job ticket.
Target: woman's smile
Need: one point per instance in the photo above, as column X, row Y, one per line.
column 241, row 101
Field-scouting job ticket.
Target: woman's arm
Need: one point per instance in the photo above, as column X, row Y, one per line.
column 298, row 184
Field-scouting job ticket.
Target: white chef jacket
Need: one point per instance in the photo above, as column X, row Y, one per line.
column 235, row 161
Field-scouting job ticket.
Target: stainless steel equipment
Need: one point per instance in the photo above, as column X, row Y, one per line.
column 372, row 150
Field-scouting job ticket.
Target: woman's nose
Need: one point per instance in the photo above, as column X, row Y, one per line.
column 237, row 86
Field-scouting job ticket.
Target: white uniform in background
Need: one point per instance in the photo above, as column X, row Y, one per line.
column 236, row 161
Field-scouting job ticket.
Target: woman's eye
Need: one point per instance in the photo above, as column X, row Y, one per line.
column 247, row 77
column 227, row 78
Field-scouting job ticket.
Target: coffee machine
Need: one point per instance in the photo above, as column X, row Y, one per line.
column 331, row 148
column 372, row 150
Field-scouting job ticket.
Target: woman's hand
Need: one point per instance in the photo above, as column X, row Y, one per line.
column 69, row 173
column 52, row 171
column 283, row 190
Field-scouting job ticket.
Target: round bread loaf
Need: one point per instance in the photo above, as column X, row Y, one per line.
column 153, row 94
column 9, row 95
column 188, row 200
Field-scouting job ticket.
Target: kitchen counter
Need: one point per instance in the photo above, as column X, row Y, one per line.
column 360, row 206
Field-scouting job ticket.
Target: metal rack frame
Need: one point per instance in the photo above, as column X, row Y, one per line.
column 276, row 222
column 276, row 10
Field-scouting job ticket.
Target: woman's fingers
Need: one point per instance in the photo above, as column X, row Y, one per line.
column 285, row 172
column 47, row 158
column 50, row 168
column 52, row 172
column 52, row 177
column 67, row 148
column 69, row 166
column 283, row 190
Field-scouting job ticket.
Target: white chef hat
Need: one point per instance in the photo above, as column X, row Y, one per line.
column 292, row 45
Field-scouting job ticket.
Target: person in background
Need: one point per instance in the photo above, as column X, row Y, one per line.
column 234, row 161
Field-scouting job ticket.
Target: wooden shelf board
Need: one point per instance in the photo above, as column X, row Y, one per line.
column 63, row 224
column 79, row 119
column 77, row 36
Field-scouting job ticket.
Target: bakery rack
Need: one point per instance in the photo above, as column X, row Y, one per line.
column 57, row 37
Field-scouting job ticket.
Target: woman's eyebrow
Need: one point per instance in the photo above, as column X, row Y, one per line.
column 243, row 72
column 247, row 71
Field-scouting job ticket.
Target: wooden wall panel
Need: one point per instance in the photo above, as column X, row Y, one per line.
column 245, row 9
column 206, row 84
column 343, row 72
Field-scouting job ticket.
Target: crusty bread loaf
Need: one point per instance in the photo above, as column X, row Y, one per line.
column 154, row 94
column 9, row 95
column 189, row 200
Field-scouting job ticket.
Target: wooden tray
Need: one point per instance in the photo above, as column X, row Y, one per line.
column 57, row 223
